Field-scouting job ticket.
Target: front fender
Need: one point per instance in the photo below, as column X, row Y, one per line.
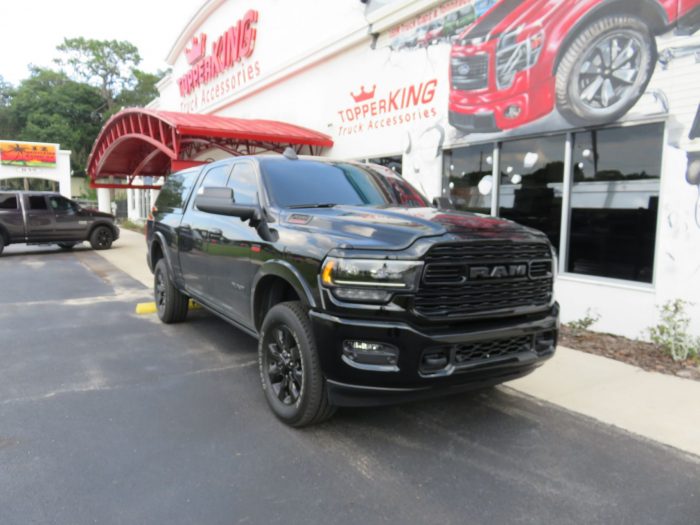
column 159, row 239
column 289, row 273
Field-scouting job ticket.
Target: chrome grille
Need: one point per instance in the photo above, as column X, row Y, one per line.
column 470, row 73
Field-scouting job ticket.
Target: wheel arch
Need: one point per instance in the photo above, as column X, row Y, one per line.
column 157, row 251
column 277, row 281
column 649, row 11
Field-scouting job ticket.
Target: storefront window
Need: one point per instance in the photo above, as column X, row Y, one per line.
column 468, row 173
column 614, row 202
column 532, row 176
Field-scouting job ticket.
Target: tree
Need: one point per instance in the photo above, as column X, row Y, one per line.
column 6, row 94
column 143, row 92
column 50, row 107
column 109, row 65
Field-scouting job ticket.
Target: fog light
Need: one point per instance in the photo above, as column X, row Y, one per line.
column 362, row 295
column 512, row 111
column 371, row 356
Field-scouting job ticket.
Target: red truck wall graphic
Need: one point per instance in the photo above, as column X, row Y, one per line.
column 589, row 59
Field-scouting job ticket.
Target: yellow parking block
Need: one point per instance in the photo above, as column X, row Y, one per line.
column 150, row 308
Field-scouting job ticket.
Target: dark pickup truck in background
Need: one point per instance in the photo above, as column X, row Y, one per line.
column 34, row 217
column 358, row 291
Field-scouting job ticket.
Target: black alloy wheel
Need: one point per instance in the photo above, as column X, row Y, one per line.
column 171, row 304
column 101, row 238
column 284, row 366
column 291, row 376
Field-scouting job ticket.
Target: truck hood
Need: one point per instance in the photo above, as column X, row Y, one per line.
column 507, row 15
column 91, row 212
column 397, row 228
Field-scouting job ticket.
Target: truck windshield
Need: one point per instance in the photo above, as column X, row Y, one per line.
column 302, row 183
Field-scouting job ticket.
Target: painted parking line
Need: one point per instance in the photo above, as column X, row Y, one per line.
column 150, row 308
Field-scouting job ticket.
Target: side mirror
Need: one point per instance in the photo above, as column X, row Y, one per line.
column 220, row 201
column 443, row 203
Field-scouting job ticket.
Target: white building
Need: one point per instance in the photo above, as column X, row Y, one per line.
column 505, row 108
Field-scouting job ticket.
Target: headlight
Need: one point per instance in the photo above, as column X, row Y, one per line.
column 513, row 56
column 369, row 280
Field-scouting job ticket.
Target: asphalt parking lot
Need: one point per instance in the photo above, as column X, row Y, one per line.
column 109, row 417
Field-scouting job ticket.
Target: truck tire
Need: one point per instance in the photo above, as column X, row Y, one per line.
column 67, row 245
column 171, row 304
column 291, row 375
column 102, row 238
column 605, row 70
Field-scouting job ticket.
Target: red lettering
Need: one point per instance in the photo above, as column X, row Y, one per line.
column 429, row 91
column 237, row 43
column 249, row 33
column 414, row 95
column 392, row 101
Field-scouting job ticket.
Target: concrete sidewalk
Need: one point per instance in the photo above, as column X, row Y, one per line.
column 657, row 406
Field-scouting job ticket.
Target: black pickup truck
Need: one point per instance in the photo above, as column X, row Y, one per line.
column 358, row 291
column 35, row 217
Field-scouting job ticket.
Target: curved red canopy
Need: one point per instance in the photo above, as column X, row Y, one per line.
column 148, row 143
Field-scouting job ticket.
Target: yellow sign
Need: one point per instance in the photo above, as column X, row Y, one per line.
column 28, row 154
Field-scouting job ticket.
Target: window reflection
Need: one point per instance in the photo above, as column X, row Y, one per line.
column 614, row 202
column 468, row 172
column 532, row 176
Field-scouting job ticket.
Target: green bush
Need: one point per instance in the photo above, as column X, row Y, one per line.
column 578, row 326
column 671, row 333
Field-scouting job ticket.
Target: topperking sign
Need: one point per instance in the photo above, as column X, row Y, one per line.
column 224, row 69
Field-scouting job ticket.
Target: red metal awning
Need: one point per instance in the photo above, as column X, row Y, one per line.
column 148, row 143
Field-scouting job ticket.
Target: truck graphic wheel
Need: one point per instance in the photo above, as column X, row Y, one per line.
column 605, row 70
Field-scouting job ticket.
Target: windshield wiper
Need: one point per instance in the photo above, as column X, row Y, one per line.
column 315, row 205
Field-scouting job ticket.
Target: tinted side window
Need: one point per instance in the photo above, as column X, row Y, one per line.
column 175, row 191
column 8, row 201
column 217, row 176
column 244, row 183
column 37, row 202
column 60, row 204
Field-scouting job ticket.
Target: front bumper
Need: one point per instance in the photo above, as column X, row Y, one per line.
column 491, row 109
column 349, row 385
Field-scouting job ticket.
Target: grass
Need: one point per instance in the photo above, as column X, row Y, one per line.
column 130, row 225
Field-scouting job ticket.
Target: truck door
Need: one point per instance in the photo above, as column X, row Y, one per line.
column 40, row 219
column 67, row 223
column 229, row 247
column 193, row 233
column 11, row 216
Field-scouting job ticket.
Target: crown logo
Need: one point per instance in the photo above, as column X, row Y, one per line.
column 363, row 95
column 197, row 50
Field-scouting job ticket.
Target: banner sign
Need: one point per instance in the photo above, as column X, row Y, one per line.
column 28, row 154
